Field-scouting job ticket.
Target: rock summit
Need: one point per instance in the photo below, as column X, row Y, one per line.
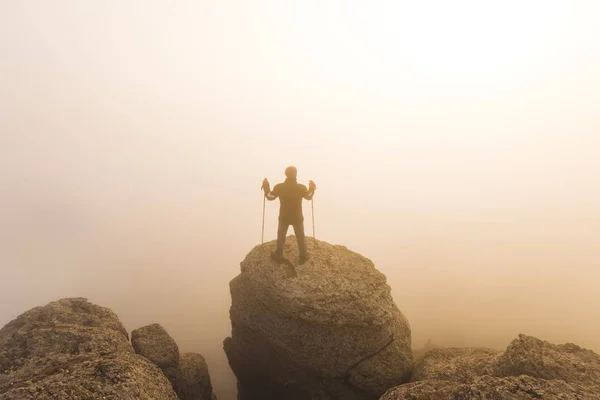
column 325, row 329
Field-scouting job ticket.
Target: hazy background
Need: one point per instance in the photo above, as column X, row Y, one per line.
column 456, row 144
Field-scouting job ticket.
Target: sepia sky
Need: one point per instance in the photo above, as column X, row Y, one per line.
column 456, row 144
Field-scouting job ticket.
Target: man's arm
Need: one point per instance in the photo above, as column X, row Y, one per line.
column 266, row 187
column 271, row 196
column 308, row 194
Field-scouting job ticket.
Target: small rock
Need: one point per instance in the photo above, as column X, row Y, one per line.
column 154, row 343
column 196, row 379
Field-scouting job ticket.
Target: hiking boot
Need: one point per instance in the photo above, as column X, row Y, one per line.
column 303, row 259
column 277, row 258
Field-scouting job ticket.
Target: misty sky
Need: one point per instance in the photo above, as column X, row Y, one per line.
column 456, row 144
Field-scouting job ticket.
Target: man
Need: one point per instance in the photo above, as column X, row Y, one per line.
column 290, row 194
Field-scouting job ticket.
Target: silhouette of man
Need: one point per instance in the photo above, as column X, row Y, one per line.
column 290, row 194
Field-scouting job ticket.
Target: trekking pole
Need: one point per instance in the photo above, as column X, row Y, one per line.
column 265, row 187
column 312, row 207
column 262, row 239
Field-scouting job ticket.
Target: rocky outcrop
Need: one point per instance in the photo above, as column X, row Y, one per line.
column 493, row 388
column 73, row 349
column 325, row 329
column 188, row 372
column 528, row 369
column 454, row 364
column 528, row 355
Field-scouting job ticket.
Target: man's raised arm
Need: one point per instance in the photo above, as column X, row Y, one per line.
column 311, row 190
column 266, row 187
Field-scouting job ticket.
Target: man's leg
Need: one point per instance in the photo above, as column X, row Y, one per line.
column 281, row 234
column 299, row 232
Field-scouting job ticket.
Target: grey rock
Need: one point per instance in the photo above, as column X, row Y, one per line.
column 529, row 368
column 188, row 373
column 154, row 343
column 73, row 349
column 493, row 388
column 328, row 328
column 175, row 376
column 454, row 364
column 528, row 355
column 196, row 379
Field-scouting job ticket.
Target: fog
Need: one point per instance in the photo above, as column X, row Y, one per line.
column 456, row 146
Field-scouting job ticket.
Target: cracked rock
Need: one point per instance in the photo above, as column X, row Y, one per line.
column 331, row 330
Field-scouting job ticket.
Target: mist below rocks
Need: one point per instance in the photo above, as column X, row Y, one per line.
column 459, row 284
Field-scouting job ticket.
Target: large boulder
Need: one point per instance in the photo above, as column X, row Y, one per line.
column 493, row 388
column 188, row 372
column 326, row 329
column 73, row 349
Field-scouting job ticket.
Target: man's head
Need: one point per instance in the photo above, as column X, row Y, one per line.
column 291, row 172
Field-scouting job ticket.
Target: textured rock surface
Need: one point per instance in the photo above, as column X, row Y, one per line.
column 529, row 369
column 196, row 380
column 188, row 373
column 531, row 356
column 73, row 349
column 493, row 388
column 454, row 364
column 328, row 328
column 154, row 343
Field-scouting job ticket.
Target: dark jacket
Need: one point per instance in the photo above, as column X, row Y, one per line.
column 290, row 195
